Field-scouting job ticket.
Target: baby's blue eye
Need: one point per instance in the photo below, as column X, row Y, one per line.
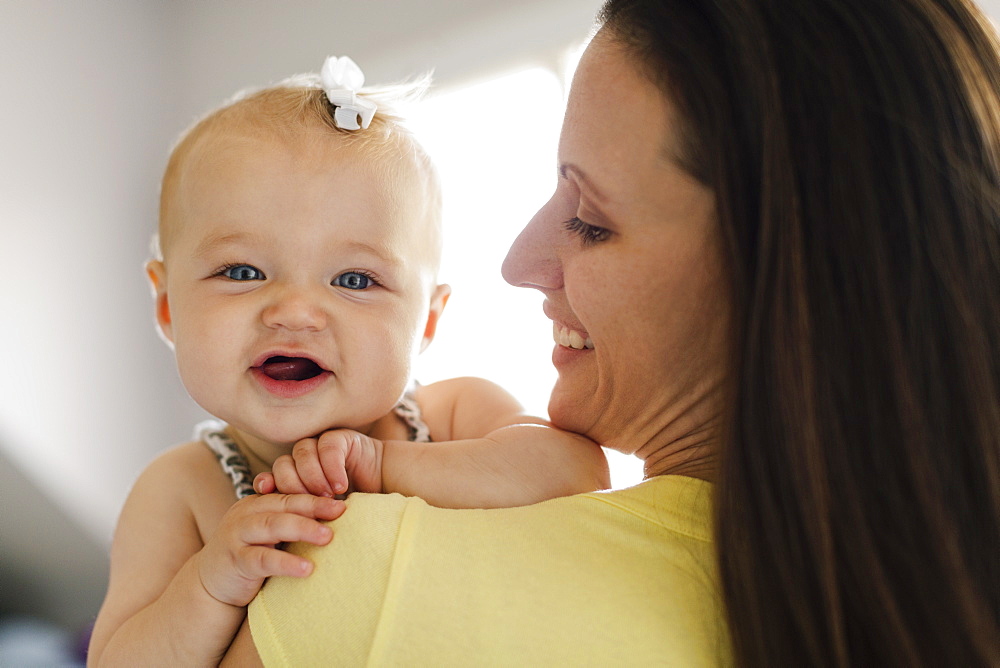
column 242, row 272
column 353, row 280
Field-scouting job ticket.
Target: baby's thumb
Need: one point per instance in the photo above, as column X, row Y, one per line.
column 364, row 462
column 264, row 483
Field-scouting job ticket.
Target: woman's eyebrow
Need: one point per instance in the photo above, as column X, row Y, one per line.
column 567, row 169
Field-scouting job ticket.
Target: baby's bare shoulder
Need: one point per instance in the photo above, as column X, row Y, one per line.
column 186, row 464
column 468, row 407
column 188, row 476
column 450, row 389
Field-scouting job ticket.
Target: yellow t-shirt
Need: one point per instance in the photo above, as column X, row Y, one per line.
column 611, row 578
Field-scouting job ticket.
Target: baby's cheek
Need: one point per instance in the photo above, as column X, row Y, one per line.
column 399, row 351
column 201, row 370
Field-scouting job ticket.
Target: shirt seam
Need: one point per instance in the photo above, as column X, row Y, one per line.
column 397, row 566
column 632, row 511
column 277, row 648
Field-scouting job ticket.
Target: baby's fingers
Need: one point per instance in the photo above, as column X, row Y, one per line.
column 252, row 508
column 286, row 476
column 264, row 483
column 332, row 449
column 274, row 528
column 306, row 505
column 308, row 468
column 257, row 561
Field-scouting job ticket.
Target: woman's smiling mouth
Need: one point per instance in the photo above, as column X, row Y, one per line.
column 570, row 338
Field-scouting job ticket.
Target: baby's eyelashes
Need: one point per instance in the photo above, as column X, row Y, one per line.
column 240, row 272
column 355, row 280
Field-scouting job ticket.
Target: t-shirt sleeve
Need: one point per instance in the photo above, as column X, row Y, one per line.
column 357, row 570
column 618, row 578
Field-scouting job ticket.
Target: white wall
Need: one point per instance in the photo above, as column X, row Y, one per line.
column 84, row 117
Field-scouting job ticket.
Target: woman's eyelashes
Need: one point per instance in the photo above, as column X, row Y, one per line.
column 589, row 234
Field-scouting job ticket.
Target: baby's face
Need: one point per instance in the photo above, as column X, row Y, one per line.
column 296, row 287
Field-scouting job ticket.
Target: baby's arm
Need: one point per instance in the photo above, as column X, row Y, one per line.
column 172, row 601
column 516, row 465
column 493, row 454
column 493, row 458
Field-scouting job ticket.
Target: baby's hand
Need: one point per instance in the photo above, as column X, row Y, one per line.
column 337, row 462
column 243, row 550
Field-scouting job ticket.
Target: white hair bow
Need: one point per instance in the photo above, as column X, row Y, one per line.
column 342, row 78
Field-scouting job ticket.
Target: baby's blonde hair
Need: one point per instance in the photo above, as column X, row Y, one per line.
column 298, row 108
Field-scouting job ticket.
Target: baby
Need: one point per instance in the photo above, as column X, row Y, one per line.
column 299, row 240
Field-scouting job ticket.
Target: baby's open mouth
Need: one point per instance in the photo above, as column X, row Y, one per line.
column 290, row 368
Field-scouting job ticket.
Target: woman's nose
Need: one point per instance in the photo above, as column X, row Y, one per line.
column 295, row 309
column 532, row 261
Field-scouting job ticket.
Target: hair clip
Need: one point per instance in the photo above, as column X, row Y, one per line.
column 341, row 79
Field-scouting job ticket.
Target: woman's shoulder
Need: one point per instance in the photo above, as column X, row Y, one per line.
column 585, row 560
column 662, row 505
column 675, row 503
column 667, row 516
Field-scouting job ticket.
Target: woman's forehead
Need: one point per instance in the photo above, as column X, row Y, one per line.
column 618, row 124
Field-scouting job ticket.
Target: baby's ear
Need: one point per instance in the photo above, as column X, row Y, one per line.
column 438, row 300
column 157, row 273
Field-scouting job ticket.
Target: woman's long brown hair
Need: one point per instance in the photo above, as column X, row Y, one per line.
column 854, row 149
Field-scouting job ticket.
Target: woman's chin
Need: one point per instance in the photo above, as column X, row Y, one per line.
column 570, row 413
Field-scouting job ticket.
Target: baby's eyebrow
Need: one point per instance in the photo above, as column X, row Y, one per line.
column 383, row 254
column 215, row 241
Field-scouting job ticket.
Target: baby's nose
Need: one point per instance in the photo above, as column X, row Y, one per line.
column 294, row 309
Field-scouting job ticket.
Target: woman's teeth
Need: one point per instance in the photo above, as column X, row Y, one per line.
column 570, row 338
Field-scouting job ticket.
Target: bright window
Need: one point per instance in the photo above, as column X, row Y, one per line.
column 495, row 146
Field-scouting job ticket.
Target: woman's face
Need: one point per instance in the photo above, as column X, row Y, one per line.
column 628, row 254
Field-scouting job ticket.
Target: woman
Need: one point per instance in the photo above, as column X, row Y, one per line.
column 779, row 223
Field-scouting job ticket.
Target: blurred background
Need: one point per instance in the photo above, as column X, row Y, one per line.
column 96, row 93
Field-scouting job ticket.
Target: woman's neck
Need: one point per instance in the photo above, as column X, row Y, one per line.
column 695, row 460
column 679, row 446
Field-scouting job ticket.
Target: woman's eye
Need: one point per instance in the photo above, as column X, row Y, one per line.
column 353, row 280
column 242, row 272
column 589, row 234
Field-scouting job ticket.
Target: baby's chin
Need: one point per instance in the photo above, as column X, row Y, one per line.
column 272, row 431
column 285, row 438
column 267, row 440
